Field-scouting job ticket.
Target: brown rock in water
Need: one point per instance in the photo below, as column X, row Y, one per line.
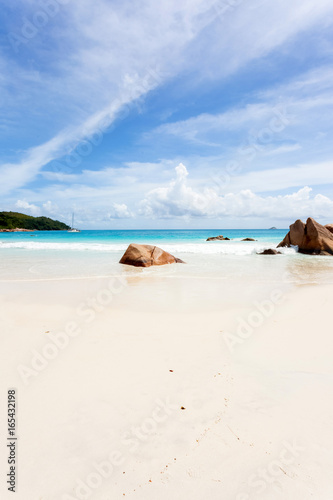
column 311, row 238
column 248, row 239
column 269, row 251
column 146, row 256
column 221, row 238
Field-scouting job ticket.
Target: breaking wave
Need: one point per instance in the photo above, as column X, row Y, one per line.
column 225, row 248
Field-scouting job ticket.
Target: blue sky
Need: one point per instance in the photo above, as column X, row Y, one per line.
column 198, row 114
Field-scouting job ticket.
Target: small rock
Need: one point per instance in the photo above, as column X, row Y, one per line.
column 218, row 238
column 269, row 251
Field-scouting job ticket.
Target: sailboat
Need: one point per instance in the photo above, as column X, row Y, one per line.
column 72, row 229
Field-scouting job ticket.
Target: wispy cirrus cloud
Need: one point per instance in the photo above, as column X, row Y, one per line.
column 97, row 59
column 284, row 104
column 91, row 68
column 103, row 68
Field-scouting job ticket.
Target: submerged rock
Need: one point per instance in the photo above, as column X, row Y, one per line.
column 220, row 238
column 311, row 238
column 269, row 251
column 146, row 256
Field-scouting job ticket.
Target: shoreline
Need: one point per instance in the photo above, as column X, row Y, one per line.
column 17, row 230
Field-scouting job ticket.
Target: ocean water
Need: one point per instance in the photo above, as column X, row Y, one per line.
column 46, row 255
column 109, row 240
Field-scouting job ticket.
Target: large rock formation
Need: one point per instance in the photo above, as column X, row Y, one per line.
column 146, row 256
column 329, row 227
column 311, row 238
column 220, row 238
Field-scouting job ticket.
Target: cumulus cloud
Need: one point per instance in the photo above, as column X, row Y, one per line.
column 28, row 207
column 120, row 211
column 179, row 199
column 50, row 207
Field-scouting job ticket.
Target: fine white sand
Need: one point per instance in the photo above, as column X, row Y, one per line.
column 258, row 418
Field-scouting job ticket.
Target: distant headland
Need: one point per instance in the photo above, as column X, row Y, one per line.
column 16, row 222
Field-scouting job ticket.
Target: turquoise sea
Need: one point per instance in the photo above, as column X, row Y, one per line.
column 59, row 254
column 90, row 239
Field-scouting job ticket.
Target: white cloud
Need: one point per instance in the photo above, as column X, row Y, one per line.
column 113, row 55
column 250, row 30
column 108, row 54
column 120, row 211
column 102, row 213
column 178, row 199
column 50, row 208
column 15, row 175
column 28, row 207
column 275, row 179
column 194, row 128
column 298, row 104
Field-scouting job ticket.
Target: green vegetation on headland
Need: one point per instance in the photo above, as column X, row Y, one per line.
column 15, row 220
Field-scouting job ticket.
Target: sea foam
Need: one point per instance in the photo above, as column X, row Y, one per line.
column 224, row 248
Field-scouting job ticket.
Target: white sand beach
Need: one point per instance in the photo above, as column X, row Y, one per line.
column 157, row 393
column 164, row 335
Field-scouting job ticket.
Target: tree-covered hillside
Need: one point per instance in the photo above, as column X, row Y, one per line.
column 12, row 220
